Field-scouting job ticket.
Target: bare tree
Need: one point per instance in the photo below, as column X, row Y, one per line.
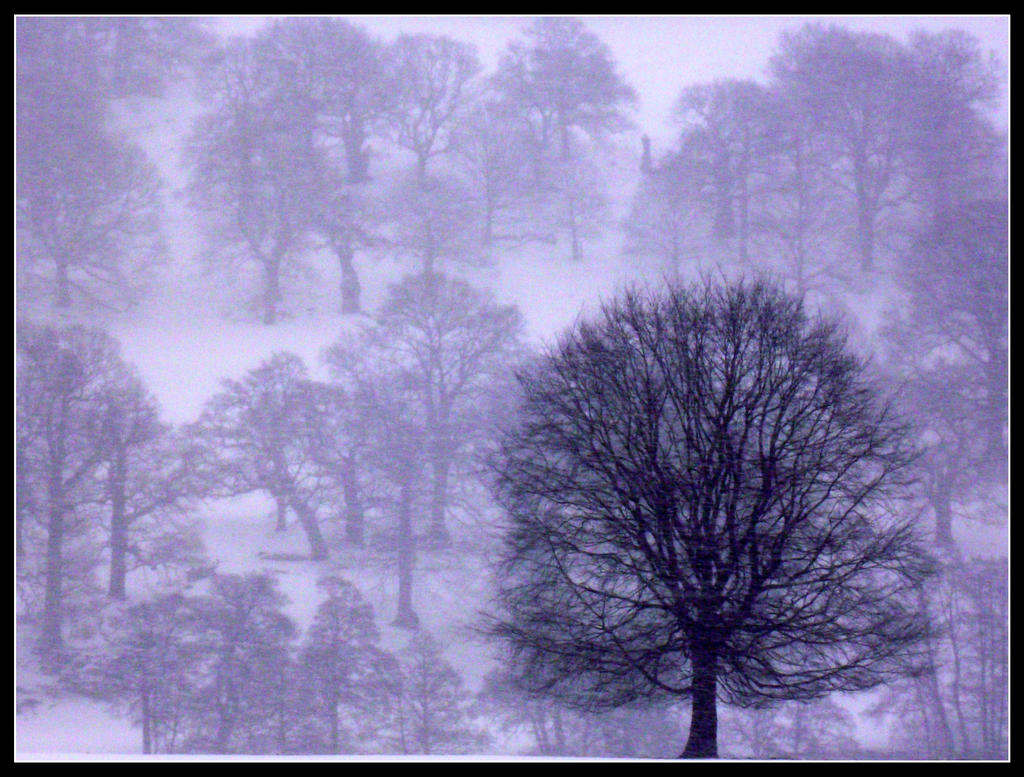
column 255, row 436
column 431, row 705
column 384, row 393
column 153, row 670
column 562, row 78
column 455, row 342
column 435, row 221
column 247, row 642
column 582, row 202
column 953, row 149
column 62, row 373
column 491, row 151
column 88, row 205
column 428, row 79
column 147, row 482
column 344, row 71
column 725, row 127
column 853, row 83
column 338, row 657
column 665, row 215
column 798, row 215
column 254, row 167
column 700, row 492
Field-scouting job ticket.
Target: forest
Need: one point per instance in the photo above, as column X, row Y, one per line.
column 375, row 399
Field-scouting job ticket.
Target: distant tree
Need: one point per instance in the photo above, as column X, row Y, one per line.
column 338, row 659
column 950, row 342
column 630, row 732
column 384, row 394
column 725, row 129
column 338, row 444
column 665, row 215
column 518, row 712
column 582, row 202
column 436, row 222
column 88, row 204
column 62, row 373
column 699, row 488
column 255, row 436
column 347, row 220
column 958, row 708
column 155, row 670
column 147, row 481
column 428, row 82
column 245, row 638
column 973, row 609
column 59, row 56
column 432, row 708
column 952, row 147
column 795, row 730
column 853, row 85
column 254, row 167
column 338, row 72
column 455, row 342
column 344, row 71
column 957, row 279
column 798, row 212
column 114, row 57
column 562, row 78
column 490, row 148
column 140, row 54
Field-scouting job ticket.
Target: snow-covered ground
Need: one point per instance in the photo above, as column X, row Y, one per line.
column 186, row 340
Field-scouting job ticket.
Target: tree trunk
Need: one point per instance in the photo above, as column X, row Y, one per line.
column 577, row 246
column 941, row 503
column 406, row 617
column 147, row 734
column 354, row 525
column 356, row 158
column 489, row 220
column 744, row 208
column 439, row 498
column 271, row 291
column 865, row 216
column 703, row 739
column 118, row 525
column 350, row 287
column 63, row 285
column 307, row 518
column 421, row 171
column 866, row 237
column 335, row 735
column 282, row 513
column 51, row 643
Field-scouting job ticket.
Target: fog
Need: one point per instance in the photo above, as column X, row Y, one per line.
column 505, row 387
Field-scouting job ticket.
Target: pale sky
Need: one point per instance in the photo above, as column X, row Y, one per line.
column 660, row 55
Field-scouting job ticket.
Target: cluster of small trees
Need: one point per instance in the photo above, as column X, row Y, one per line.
column 266, row 175
column 102, row 479
column 855, row 146
column 280, row 159
column 221, row 670
column 88, row 200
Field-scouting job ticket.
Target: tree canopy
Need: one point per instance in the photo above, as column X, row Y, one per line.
column 700, row 492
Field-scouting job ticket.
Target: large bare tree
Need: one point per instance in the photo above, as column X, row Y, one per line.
column 702, row 492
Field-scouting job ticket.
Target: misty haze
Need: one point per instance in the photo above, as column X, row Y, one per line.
column 510, row 387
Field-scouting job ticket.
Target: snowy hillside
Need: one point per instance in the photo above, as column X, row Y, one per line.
column 728, row 196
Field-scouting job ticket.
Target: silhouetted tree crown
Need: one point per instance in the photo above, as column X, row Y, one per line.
column 701, row 490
